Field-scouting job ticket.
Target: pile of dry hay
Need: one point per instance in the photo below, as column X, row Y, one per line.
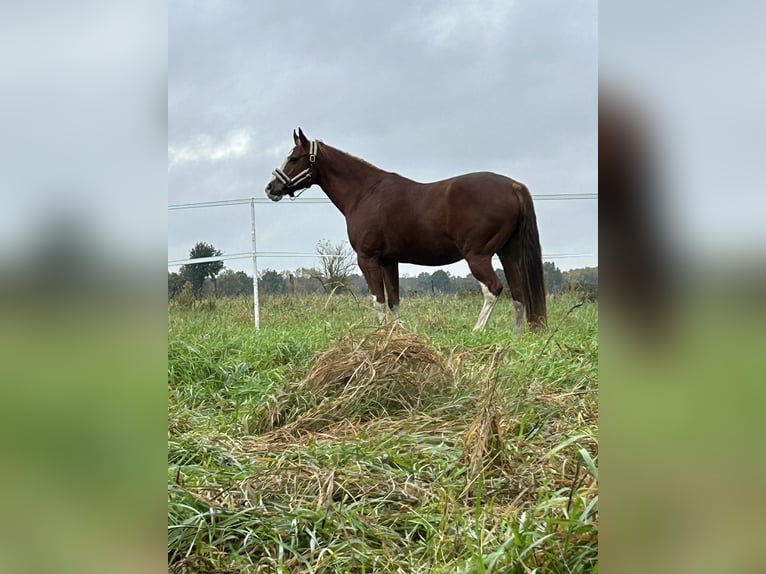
column 388, row 372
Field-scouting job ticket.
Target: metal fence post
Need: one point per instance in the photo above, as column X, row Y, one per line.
column 256, row 305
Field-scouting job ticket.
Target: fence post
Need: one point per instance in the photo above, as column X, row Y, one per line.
column 256, row 305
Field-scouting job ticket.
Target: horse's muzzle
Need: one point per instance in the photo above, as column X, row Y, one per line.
column 271, row 195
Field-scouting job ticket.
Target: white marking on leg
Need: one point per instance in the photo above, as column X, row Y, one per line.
column 395, row 311
column 380, row 308
column 518, row 307
column 486, row 309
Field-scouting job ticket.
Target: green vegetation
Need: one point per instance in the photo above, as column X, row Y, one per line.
column 324, row 444
column 336, row 263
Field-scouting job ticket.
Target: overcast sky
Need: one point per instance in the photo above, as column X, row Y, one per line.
column 427, row 89
column 694, row 72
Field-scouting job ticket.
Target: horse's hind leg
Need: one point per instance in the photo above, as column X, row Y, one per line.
column 373, row 274
column 391, row 280
column 481, row 267
column 510, row 257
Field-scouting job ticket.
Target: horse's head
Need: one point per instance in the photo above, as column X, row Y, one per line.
column 297, row 171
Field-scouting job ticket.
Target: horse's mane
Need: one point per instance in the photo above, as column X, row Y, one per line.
column 352, row 156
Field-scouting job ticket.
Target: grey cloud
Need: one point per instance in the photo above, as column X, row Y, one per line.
column 423, row 89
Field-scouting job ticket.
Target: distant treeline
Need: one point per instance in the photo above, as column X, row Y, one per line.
column 229, row 283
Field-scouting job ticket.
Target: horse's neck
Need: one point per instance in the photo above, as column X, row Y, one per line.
column 345, row 178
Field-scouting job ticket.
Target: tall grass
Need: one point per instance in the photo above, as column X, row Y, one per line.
column 378, row 462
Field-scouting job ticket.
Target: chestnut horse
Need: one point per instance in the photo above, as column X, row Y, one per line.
column 391, row 219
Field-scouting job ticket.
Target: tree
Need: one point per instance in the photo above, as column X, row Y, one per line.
column 336, row 263
column 584, row 279
column 195, row 273
column 358, row 285
column 423, row 283
column 554, row 279
column 440, row 280
column 272, row 282
column 304, row 280
column 175, row 284
column 467, row 284
column 234, row 283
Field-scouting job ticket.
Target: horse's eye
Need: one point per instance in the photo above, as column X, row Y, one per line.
column 292, row 160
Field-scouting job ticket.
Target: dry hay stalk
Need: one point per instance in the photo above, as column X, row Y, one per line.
column 387, row 372
column 483, row 442
column 311, row 485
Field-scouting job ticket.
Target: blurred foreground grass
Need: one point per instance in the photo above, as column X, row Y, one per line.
column 81, row 414
column 682, row 438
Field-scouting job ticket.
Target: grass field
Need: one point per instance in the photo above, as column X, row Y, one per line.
column 325, row 444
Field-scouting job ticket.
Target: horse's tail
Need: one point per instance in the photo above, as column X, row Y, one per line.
column 532, row 263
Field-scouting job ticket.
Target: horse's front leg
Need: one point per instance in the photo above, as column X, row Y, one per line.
column 373, row 274
column 391, row 281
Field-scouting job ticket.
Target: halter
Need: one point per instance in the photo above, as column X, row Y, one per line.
column 292, row 183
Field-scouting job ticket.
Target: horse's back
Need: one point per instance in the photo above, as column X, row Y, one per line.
column 484, row 195
column 486, row 182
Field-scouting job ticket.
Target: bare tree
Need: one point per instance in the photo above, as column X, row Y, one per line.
column 336, row 262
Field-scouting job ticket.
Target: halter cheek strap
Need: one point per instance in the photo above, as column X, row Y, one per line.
column 293, row 182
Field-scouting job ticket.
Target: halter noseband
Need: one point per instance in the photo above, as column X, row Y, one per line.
column 292, row 183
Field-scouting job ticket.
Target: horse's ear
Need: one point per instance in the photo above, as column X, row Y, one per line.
column 303, row 139
column 295, row 137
